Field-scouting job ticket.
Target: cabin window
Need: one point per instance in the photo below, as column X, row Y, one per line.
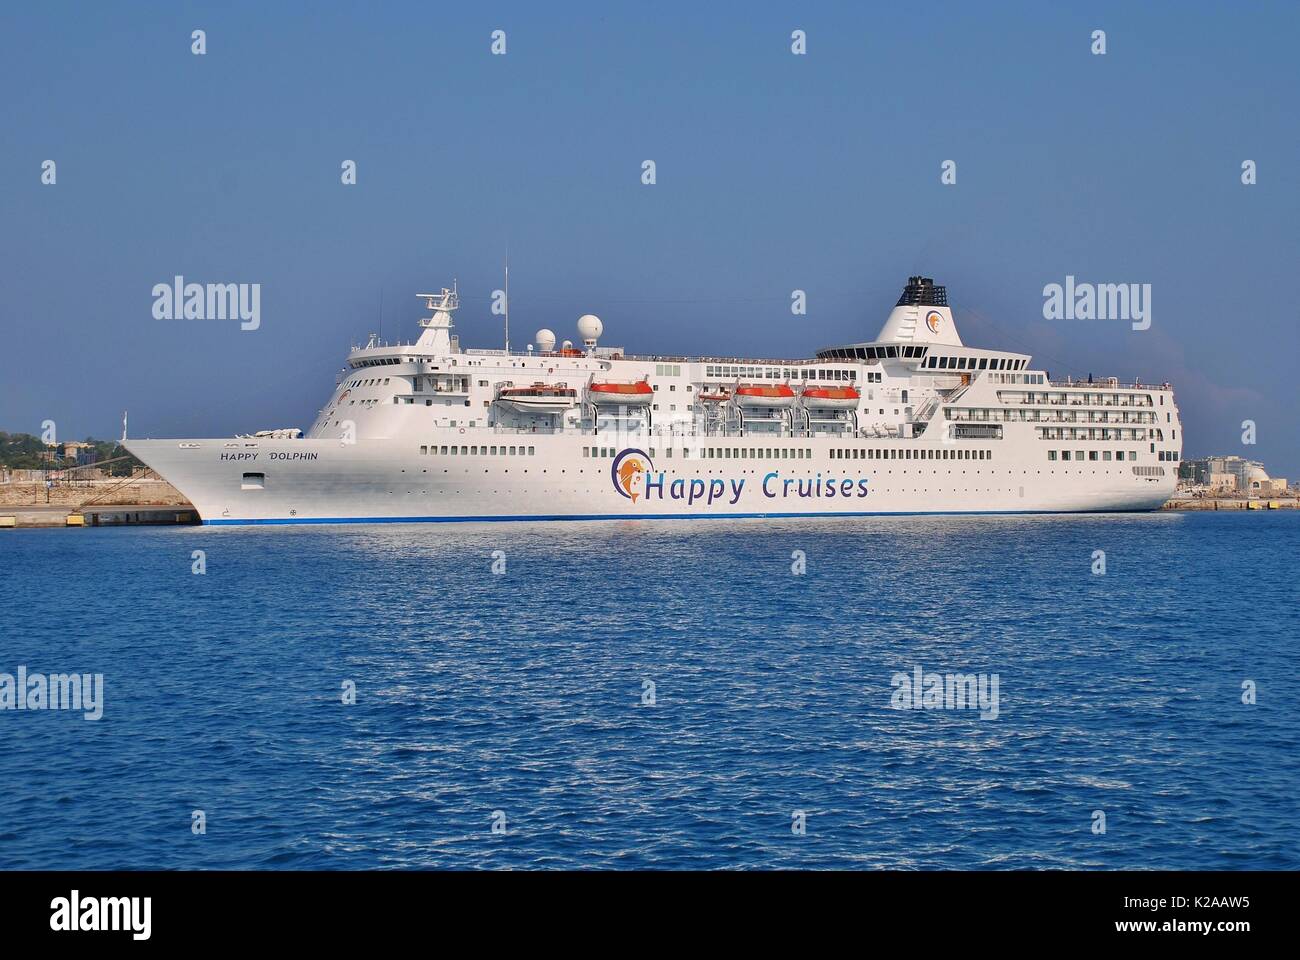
column 253, row 481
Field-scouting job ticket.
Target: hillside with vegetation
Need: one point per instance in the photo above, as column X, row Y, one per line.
column 22, row 451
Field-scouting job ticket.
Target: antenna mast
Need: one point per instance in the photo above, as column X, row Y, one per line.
column 437, row 328
column 507, row 292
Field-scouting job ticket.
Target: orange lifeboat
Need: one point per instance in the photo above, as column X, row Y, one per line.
column 776, row 395
column 721, row 397
column 831, row 398
column 611, row 393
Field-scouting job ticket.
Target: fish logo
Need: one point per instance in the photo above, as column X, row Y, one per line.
column 628, row 473
column 933, row 319
column 343, row 396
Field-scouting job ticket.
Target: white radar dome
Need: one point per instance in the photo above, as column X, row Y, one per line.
column 567, row 345
column 545, row 340
column 590, row 328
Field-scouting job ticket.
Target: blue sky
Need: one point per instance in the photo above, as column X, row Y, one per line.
column 775, row 172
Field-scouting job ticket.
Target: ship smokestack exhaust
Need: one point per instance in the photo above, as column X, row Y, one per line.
column 923, row 292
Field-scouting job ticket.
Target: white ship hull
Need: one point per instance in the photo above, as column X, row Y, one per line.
column 383, row 481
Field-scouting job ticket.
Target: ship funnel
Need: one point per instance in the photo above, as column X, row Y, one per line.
column 921, row 315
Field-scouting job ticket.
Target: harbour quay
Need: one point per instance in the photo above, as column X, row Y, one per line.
column 100, row 515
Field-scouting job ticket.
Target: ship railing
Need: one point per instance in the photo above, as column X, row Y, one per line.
column 1079, row 403
column 613, row 353
column 742, row 361
column 926, row 409
column 542, row 431
column 1107, row 383
column 955, row 394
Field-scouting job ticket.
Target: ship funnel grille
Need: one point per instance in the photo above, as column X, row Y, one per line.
column 922, row 292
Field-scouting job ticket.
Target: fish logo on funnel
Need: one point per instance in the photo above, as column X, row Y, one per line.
column 933, row 319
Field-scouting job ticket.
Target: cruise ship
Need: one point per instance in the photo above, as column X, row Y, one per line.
column 913, row 421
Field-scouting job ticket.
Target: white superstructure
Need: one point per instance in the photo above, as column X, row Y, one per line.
column 911, row 422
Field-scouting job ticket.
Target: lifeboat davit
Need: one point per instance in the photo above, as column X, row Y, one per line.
column 610, row 393
column 831, row 398
column 539, row 398
column 777, row 395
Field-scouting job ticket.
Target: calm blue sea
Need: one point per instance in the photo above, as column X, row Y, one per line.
column 517, row 698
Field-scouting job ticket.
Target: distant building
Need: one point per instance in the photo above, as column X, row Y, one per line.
column 1226, row 475
column 1221, row 482
column 80, row 451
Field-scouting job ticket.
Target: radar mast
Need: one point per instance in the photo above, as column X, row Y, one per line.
column 436, row 337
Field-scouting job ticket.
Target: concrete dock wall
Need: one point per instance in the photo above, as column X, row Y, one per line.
column 137, row 492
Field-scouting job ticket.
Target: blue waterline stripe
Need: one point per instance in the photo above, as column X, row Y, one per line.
column 659, row 516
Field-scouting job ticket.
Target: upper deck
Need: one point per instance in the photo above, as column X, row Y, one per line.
column 916, row 381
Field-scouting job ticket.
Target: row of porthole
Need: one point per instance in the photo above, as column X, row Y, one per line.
column 812, row 472
column 876, row 490
column 883, row 490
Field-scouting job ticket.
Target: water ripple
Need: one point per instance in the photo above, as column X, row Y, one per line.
column 518, row 698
